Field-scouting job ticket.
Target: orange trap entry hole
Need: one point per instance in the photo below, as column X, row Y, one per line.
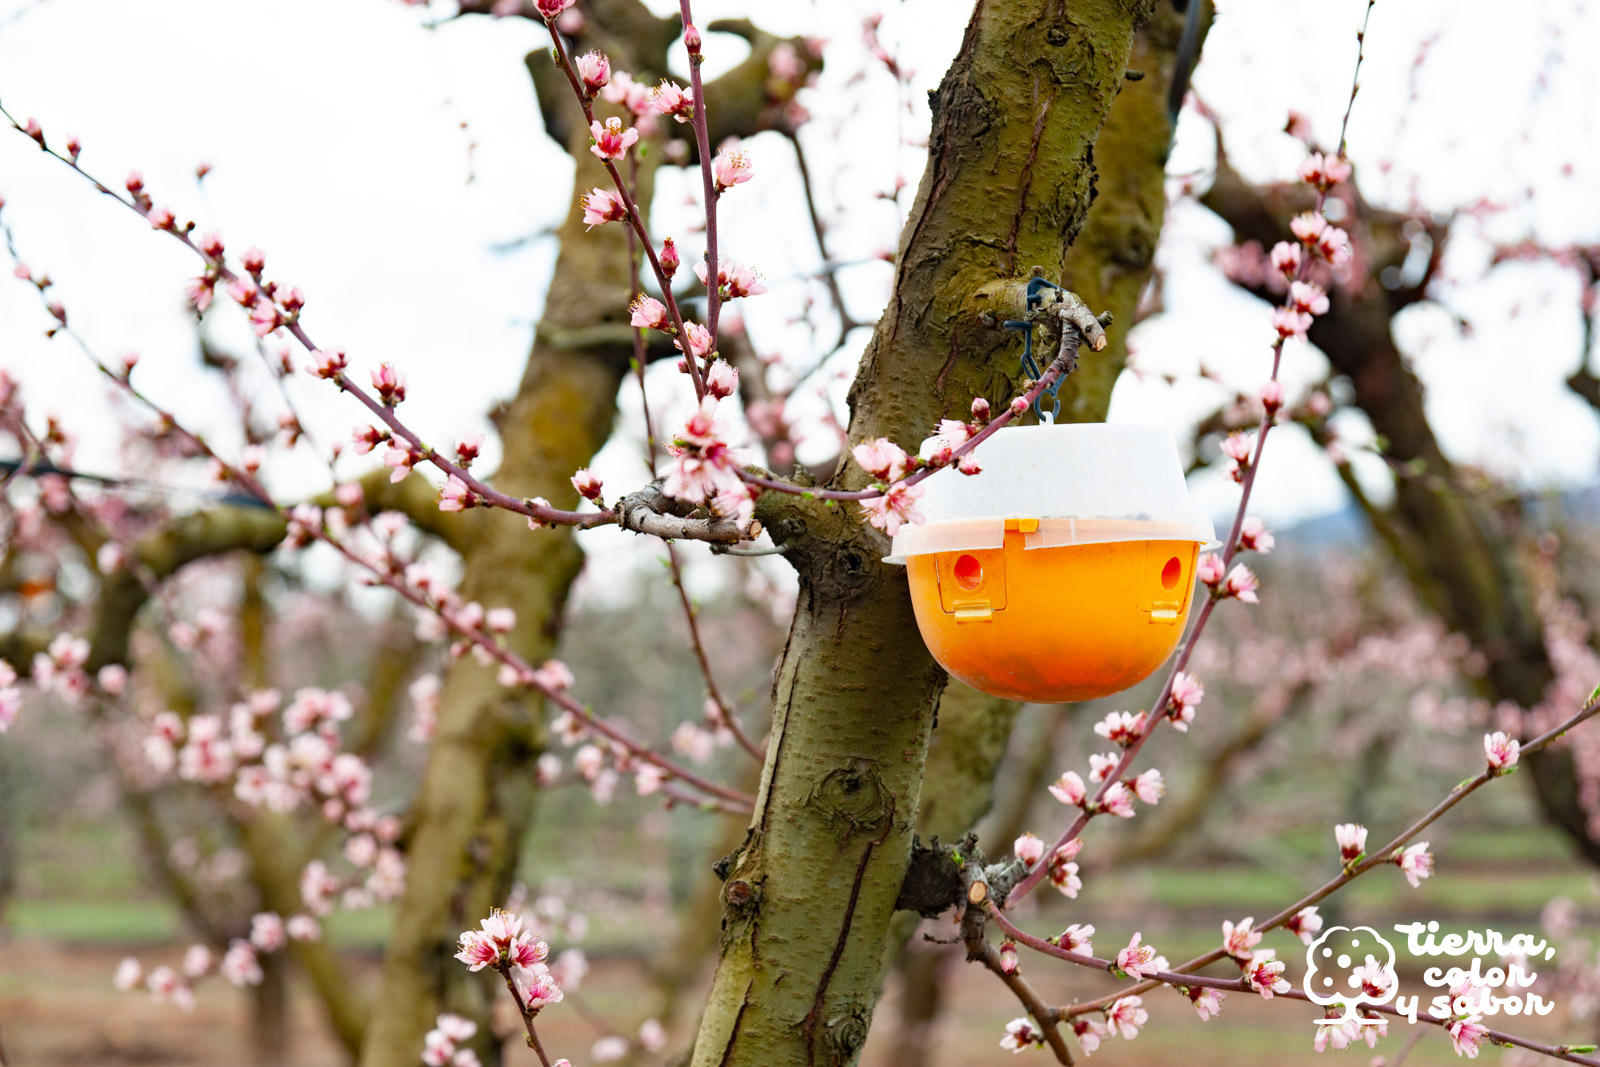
column 1086, row 533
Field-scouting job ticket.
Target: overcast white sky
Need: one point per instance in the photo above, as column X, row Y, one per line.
column 333, row 127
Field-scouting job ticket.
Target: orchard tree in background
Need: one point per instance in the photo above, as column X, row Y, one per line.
column 1047, row 155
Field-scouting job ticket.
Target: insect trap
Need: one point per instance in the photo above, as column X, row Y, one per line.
column 1065, row 570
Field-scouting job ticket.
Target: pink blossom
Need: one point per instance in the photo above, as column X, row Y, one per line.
column 731, row 167
column 348, row 495
column 1064, row 874
column 1352, row 840
column 722, row 379
column 1089, row 1032
column 1077, row 938
column 649, row 313
column 1021, row 1035
column 1304, row 924
column 1240, row 941
column 32, row 129
column 1121, row 727
column 1286, row 258
column 1254, row 536
column 1125, row 1015
column 540, row 992
column 550, row 9
column 199, row 292
column 1308, row 226
column 600, row 206
column 1101, row 764
column 1501, row 750
column 1138, row 960
column 1323, row 172
column 129, row 974
column 611, row 141
column 161, row 218
column 881, row 458
column 1466, row 1036
column 734, row 280
column 648, row 779
column 303, row 928
column 1149, row 786
column 1118, row 801
column 1207, row 1002
column 1184, row 698
column 196, row 961
column 895, row 508
column 328, row 364
column 1308, row 297
column 239, row 964
column 1338, row 1034
column 1416, row 863
column 1242, row 584
column 699, row 340
column 456, row 496
column 671, row 99
column 254, row 260
column 1271, row 396
column 1029, row 849
column 1264, row 974
column 1069, row 789
column 1290, row 323
column 1333, row 244
column 267, row 931
column 553, row 676
column 264, row 317
column 1210, row 569
column 594, row 70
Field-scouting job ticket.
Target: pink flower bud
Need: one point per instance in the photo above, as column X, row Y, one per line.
column 390, row 384
column 161, row 218
column 722, row 380
column 1272, row 396
column 549, row 9
column 468, row 447
column 32, row 129
column 691, row 39
column 594, row 70
column 669, row 258
column 135, row 182
column 211, row 245
column 1008, row 956
column 74, row 148
column 254, row 260
column 1210, row 569
column 1018, row 405
column 980, row 409
column 587, row 484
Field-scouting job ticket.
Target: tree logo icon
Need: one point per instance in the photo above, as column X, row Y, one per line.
column 1350, row 967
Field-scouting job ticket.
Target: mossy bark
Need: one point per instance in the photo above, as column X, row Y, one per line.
column 809, row 897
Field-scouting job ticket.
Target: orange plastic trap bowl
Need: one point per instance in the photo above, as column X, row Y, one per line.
column 1086, row 599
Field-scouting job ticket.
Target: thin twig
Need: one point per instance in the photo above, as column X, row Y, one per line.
column 691, row 616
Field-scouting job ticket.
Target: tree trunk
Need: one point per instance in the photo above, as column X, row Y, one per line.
column 809, row 896
column 478, row 790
